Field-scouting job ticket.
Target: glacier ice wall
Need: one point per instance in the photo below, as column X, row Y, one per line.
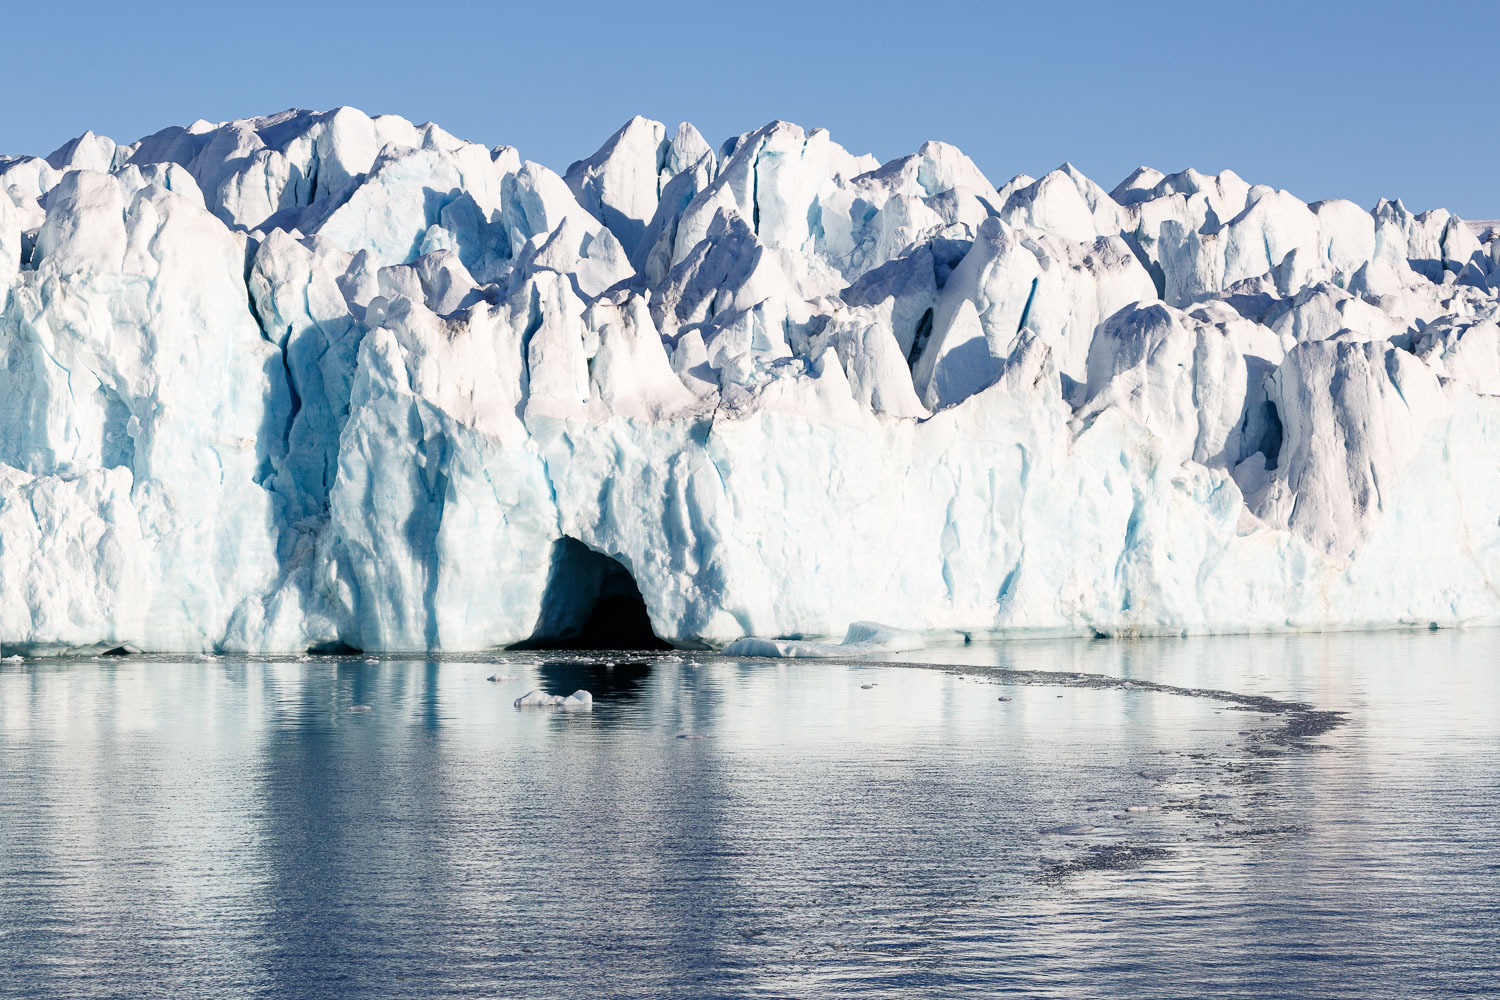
column 322, row 378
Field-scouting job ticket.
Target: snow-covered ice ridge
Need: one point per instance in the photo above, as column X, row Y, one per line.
column 324, row 378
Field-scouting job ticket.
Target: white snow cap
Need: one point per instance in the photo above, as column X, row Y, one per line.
column 324, row 378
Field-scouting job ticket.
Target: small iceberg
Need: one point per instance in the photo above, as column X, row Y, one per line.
column 578, row 701
column 1071, row 829
column 862, row 639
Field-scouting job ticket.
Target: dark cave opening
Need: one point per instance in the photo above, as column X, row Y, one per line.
column 335, row 648
column 591, row 602
column 1270, row 442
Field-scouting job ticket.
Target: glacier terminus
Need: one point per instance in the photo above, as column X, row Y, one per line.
column 326, row 380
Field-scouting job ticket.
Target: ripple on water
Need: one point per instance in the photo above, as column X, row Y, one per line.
column 211, row 829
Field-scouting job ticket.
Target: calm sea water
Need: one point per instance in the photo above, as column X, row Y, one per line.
column 1177, row 818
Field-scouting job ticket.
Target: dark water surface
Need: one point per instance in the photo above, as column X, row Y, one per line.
column 230, row 828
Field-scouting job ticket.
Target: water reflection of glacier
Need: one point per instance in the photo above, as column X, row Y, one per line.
column 229, row 828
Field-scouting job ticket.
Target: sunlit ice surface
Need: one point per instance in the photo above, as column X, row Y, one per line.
column 1234, row 816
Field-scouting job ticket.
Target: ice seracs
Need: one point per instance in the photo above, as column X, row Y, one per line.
column 321, row 379
column 622, row 184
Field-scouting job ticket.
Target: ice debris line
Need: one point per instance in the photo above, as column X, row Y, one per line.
column 322, row 378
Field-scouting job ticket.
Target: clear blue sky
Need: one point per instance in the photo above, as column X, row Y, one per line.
column 1326, row 99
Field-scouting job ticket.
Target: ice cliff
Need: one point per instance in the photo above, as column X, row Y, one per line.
column 324, row 379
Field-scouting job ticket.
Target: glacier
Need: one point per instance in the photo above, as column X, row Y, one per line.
column 321, row 380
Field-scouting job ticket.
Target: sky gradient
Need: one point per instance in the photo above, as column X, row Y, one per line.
column 1353, row 100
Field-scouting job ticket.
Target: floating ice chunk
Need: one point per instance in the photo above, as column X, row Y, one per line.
column 887, row 637
column 1071, row 829
column 580, row 701
column 359, row 709
column 862, row 639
